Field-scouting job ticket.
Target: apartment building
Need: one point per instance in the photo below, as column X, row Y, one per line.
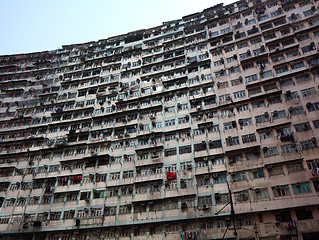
column 205, row 127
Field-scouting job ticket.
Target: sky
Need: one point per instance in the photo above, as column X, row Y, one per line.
column 37, row 25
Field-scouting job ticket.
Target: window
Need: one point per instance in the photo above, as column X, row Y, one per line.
column 230, row 141
column 206, row 200
column 217, row 63
column 302, row 127
column 294, row 17
column 214, row 34
column 185, row 150
column 182, row 120
column 258, row 104
column 216, row 53
column 307, row 49
column 252, row 155
column 242, row 196
column 277, row 58
column 278, row 114
column 270, row 36
column 169, row 123
column 286, row 82
column 239, row 176
column 262, row 118
column 296, row 110
column 200, row 147
column 280, row 191
column 303, row 78
column 243, row 108
column 292, row 53
column 266, row 135
column 261, row 193
column 215, row 144
column 283, row 216
column 288, row 42
column 310, row 144
column 282, row 69
column 313, row 107
column 201, row 164
column 242, row 45
column 300, row 188
column 316, row 185
column 234, row 70
column 251, row 78
column 303, row 213
column 308, row 92
column 221, row 178
column 255, row 41
column 236, row 82
column 224, row 98
column 229, row 125
column 267, row 74
column 55, row 216
column 251, row 21
column 222, row 198
column 243, row 56
column 222, row 85
column 304, row 3
column 229, row 49
column 297, row 65
column 68, row 215
column 316, row 123
column 263, row 17
column 288, row 148
column 258, row 51
column 271, row 151
column 254, row 91
column 295, row 167
column 170, row 152
column 239, row 94
column 231, row 59
column 257, row 173
column 225, row 30
column 235, row 158
column 4, row 220
column 245, row 122
column 203, row 181
column 249, row 138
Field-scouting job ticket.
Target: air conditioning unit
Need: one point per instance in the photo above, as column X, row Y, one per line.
column 204, row 207
column 269, row 166
column 93, row 153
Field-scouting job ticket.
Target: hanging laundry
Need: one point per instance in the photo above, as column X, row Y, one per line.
column 315, row 172
column 171, row 175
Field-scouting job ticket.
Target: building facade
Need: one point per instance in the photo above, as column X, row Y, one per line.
column 205, row 127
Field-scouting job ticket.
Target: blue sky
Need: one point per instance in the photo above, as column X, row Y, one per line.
column 38, row 25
